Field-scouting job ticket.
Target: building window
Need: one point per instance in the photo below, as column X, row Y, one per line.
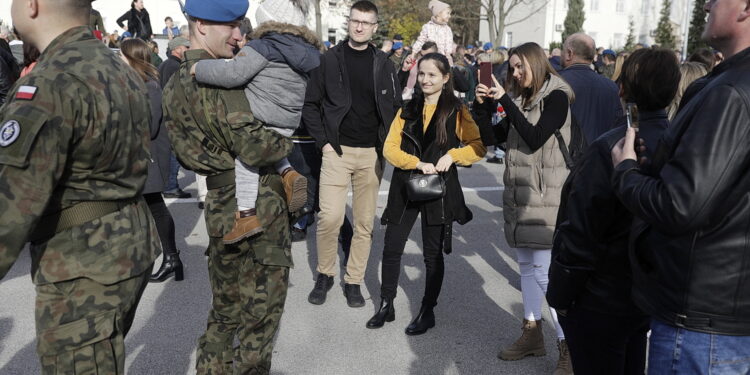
column 620, row 6
column 593, row 36
column 333, row 3
column 645, row 6
column 509, row 39
column 594, row 5
column 332, row 35
column 619, row 40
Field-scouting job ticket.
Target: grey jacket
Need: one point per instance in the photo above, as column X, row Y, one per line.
column 274, row 67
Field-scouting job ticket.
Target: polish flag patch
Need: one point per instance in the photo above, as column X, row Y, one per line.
column 26, row 92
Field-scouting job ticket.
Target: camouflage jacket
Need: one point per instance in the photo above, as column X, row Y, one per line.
column 76, row 129
column 208, row 128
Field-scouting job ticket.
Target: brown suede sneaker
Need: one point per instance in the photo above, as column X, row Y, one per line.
column 295, row 187
column 246, row 224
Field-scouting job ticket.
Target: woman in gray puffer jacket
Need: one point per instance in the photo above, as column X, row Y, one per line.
column 534, row 176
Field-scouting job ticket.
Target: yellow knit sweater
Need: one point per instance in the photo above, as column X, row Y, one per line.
column 466, row 131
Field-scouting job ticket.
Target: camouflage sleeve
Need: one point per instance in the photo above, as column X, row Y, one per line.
column 253, row 143
column 33, row 151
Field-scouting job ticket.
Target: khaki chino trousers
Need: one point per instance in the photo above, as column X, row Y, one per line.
column 361, row 169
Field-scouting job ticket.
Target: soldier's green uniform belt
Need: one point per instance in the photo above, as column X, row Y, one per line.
column 220, row 180
column 76, row 215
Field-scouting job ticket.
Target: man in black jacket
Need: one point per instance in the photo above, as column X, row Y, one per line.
column 351, row 101
column 690, row 252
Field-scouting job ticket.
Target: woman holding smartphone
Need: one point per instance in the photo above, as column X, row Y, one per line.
column 537, row 105
column 426, row 137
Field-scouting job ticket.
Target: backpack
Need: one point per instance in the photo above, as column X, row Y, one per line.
column 573, row 152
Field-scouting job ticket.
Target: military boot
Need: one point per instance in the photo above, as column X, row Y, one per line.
column 246, row 224
column 295, row 187
column 564, row 364
column 531, row 342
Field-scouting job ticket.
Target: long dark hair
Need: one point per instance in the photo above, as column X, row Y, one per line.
column 138, row 54
column 448, row 102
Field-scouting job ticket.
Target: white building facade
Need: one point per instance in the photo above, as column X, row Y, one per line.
column 607, row 21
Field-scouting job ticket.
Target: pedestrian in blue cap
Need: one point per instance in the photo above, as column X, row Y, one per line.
column 487, row 46
column 217, row 10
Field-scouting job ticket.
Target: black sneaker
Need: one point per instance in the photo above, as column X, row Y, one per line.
column 353, row 295
column 323, row 284
column 176, row 193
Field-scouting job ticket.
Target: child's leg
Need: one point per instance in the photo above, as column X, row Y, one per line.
column 246, row 178
column 246, row 222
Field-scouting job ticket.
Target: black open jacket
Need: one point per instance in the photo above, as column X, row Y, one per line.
column 328, row 97
column 691, row 240
column 415, row 141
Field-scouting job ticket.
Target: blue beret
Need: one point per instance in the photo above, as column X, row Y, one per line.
column 487, row 46
column 327, row 44
column 217, row 10
column 470, row 46
column 398, row 45
column 609, row 52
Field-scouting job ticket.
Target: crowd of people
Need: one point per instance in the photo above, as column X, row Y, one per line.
column 625, row 177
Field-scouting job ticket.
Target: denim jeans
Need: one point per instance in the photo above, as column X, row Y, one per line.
column 674, row 350
column 174, row 169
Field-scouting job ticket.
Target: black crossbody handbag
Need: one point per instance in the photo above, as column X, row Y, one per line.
column 425, row 187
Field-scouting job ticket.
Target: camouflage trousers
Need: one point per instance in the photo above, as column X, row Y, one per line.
column 248, row 300
column 81, row 324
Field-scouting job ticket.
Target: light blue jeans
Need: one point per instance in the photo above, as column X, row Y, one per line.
column 674, row 350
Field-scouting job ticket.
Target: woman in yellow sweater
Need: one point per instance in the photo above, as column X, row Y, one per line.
column 426, row 137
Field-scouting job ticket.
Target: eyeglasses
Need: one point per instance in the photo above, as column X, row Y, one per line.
column 358, row 23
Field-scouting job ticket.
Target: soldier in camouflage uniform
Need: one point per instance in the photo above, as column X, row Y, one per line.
column 208, row 128
column 73, row 160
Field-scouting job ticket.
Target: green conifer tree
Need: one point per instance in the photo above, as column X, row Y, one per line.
column 697, row 24
column 664, row 33
column 630, row 41
column 574, row 19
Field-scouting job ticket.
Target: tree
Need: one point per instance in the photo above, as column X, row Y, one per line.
column 697, row 24
column 407, row 25
column 664, row 32
column 574, row 19
column 630, row 41
column 498, row 12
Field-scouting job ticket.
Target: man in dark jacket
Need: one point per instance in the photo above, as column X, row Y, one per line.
column 597, row 105
column 350, row 103
column 689, row 249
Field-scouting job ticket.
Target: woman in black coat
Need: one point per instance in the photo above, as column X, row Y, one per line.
column 136, row 53
column 139, row 23
column 426, row 138
column 590, row 275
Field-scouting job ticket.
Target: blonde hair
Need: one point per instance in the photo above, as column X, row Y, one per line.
column 689, row 71
column 618, row 65
column 497, row 57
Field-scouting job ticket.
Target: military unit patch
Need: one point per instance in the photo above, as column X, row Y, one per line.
column 26, row 92
column 9, row 132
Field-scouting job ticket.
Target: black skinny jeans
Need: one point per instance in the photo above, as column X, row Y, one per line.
column 164, row 222
column 396, row 236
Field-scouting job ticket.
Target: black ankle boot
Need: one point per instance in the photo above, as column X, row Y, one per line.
column 171, row 264
column 424, row 321
column 386, row 313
